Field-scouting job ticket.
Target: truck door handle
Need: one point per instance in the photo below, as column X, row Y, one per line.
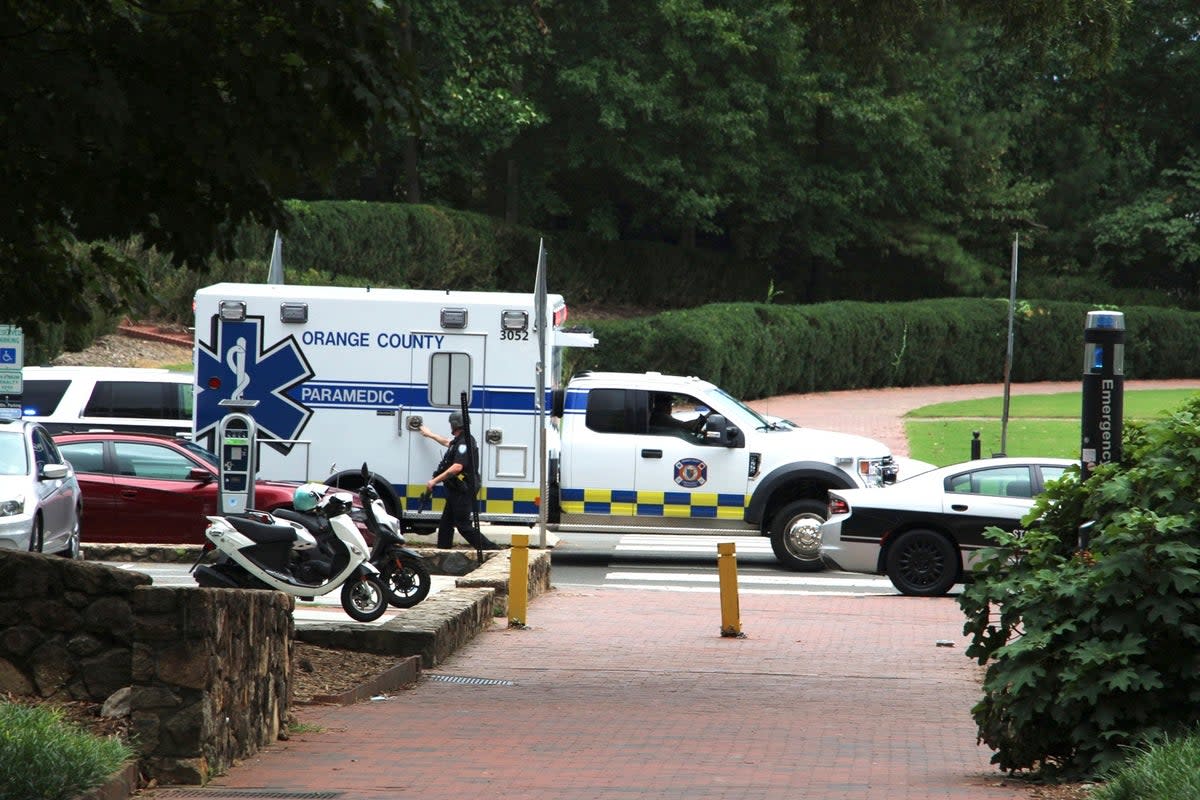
column 652, row 454
column 958, row 507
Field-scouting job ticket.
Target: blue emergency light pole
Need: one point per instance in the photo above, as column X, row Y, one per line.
column 1103, row 389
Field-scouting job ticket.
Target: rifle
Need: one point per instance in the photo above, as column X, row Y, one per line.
column 472, row 471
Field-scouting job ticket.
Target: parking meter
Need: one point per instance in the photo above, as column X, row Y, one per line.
column 236, row 455
column 1103, row 388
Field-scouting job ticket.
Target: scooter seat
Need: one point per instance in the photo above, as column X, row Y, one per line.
column 262, row 532
column 317, row 526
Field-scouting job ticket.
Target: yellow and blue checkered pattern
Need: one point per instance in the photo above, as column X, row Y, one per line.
column 496, row 499
column 613, row 502
column 632, row 503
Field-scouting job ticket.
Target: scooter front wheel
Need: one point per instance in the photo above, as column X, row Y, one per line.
column 408, row 582
column 364, row 598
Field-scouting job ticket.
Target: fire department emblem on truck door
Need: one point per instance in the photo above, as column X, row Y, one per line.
column 235, row 365
column 691, row 472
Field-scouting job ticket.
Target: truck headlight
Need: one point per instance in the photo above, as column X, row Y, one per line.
column 13, row 506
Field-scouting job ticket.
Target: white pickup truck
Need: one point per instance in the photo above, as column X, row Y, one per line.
column 653, row 452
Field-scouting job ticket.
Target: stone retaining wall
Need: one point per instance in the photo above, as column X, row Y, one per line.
column 206, row 673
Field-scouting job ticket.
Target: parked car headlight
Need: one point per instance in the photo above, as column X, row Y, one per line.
column 12, row 506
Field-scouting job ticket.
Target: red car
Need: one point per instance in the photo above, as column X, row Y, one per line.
column 151, row 488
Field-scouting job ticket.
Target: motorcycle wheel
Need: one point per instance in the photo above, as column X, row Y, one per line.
column 407, row 581
column 364, row 598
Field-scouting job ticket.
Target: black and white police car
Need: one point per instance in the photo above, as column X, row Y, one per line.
column 922, row 532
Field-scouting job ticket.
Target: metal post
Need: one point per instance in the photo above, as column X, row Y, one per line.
column 731, row 622
column 1103, row 389
column 1008, row 355
column 518, row 580
column 539, row 317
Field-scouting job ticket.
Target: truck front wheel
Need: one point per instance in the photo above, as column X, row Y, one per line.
column 796, row 535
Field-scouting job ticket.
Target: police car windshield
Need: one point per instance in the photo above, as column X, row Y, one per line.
column 741, row 414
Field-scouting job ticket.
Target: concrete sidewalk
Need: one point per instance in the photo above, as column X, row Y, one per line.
column 624, row 694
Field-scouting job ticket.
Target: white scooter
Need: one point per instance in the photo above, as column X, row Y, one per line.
column 258, row 551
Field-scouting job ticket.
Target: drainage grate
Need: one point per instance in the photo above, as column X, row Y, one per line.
column 469, row 681
column 244, row 794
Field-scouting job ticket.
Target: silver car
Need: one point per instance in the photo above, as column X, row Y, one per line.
column 40, row 501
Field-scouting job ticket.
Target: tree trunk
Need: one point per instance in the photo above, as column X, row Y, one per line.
column 512, row 193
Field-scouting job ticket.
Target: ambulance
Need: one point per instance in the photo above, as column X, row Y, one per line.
column 338, row 376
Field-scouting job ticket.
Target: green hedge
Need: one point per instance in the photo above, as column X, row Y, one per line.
column 758, row 350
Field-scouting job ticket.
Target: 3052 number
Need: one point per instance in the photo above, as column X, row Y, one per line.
column 514, row 336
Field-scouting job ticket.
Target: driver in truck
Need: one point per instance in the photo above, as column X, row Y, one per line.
column 663, row 419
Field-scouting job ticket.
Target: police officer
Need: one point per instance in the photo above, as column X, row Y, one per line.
column 458, row 471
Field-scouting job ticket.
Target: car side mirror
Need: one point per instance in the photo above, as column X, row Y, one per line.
column 54, row 472
column 200, row 474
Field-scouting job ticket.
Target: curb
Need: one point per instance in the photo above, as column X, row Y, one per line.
column 406, row 672
column 153, row 335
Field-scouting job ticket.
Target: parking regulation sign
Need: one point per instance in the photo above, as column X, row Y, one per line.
column 12, row 358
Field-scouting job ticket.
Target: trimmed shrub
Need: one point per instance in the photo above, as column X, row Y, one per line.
column 756, row 350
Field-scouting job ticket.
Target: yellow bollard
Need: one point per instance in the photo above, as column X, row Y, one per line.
column 518, row 580
column 731, row 622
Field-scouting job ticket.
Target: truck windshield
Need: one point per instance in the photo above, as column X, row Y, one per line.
column 741, row 414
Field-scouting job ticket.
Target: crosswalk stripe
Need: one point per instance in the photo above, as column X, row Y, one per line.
column 716, row 590
column 754, row 580
column 683, row 540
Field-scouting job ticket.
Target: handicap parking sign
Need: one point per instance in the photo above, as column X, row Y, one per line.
column 12, row 358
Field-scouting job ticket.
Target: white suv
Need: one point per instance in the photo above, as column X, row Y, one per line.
column 108, row 398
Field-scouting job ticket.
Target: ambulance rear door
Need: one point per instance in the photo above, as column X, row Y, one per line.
column 443, row 366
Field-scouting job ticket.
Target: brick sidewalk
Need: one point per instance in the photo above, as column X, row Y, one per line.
column 614, row 694
column 630, row 694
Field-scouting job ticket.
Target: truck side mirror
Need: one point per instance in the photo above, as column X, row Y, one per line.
column 718, row 431
column 558, row 399
column 733, row 437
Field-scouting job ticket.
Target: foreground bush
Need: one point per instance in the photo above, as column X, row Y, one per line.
column 1168, row 769
column 42, row 757
column 1090, row 653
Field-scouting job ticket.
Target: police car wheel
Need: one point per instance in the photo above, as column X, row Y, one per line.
column 796, row 535
column 922, row 564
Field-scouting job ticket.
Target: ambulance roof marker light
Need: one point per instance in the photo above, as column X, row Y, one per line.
column 514, row 320
column 454, row 318
column 232, row 310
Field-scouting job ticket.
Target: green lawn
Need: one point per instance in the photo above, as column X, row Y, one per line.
column 1038, row 425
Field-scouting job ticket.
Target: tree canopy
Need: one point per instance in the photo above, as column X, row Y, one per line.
column 176, row 121
column 874, row 149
